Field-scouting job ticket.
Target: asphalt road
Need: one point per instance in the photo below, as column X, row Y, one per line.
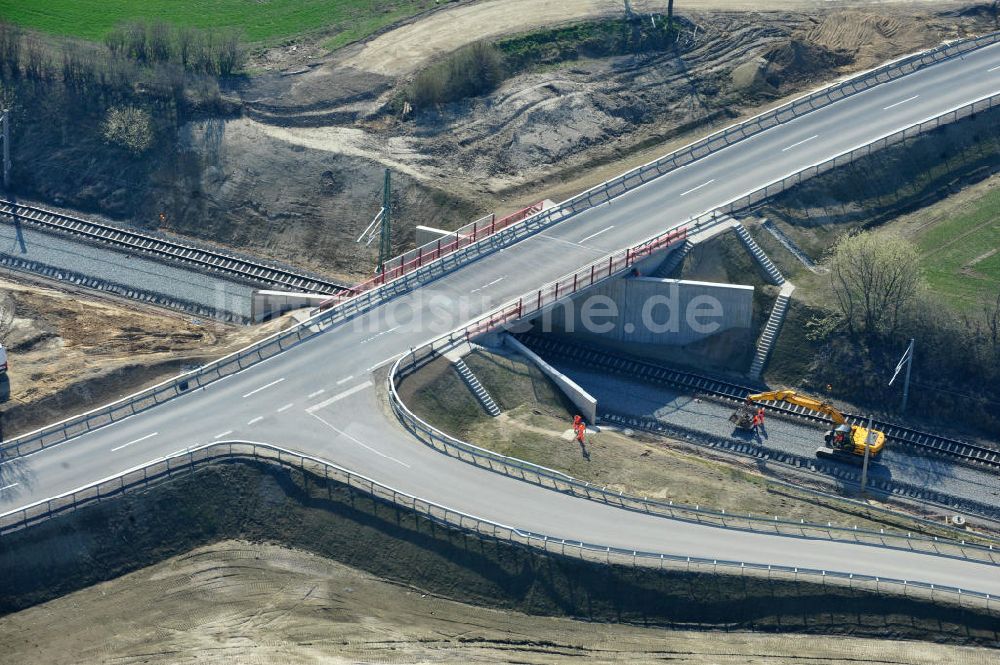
column 318, row 397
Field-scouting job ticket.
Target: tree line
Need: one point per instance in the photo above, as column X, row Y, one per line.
column 134, row 53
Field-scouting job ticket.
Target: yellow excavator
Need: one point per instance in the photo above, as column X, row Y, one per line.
column 845, row 442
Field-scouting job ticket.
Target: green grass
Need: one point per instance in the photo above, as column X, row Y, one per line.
column 261, row 20
column 961, row 255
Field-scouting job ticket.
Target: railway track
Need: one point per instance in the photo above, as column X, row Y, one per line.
column 199, row 257
column 620, row 364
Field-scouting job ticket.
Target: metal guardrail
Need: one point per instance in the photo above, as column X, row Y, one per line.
column 198, row 378
column 563, row 483
column 188, row 461
column 710, row 144
column 602, row 269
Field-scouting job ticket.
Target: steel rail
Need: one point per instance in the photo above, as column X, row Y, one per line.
column 735, row 392
column 131, row 240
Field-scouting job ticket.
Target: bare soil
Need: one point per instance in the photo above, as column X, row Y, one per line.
column 536, row 426
column 236, row 601
column 299, row 176
column 70, row 350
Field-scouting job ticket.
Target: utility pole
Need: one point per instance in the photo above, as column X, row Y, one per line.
column 908, row 360
column 385, row 237
column 868, row 448
column 906, row 381
column 670, row 14
column 5, row 120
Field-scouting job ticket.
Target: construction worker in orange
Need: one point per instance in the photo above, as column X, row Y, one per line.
column 760, row 420
column 579, row 427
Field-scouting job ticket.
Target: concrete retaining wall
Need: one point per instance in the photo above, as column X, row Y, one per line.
column 269, row 304
column 650, row 310
column 426, row 234
column 583, row 401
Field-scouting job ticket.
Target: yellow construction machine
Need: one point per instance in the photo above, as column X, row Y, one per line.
column 845, row 442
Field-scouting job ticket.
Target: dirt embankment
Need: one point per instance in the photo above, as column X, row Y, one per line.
column 73, row 350
column 258, row 502
column 248, row 602
column 299, row 176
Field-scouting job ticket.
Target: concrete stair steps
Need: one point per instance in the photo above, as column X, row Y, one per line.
column 476, row 387
column 673, row 260
column 770, row 333
column 770, row 270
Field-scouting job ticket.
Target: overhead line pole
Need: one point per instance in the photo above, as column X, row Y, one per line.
column 385, row 239
column 5, row 120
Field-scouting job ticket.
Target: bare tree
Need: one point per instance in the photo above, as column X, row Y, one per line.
column 875, row 277
column 158, row 38
column 992, row 314
column 231, row 54
column 10, row 48
column 185, row 45
column 36, row 62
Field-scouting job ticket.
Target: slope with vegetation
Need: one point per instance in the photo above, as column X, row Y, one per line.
column 930, row 276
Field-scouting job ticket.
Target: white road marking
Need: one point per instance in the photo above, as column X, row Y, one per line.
column 286, row 407
column 316, row 394
column 799, row 143
column 571, row 244
column 257, row 390
column 360, row 443
column 379, row 364
column 255, row 420
column 993, row 69
column 909, row 99
column 485, row 286
column 694, row 189
column 340, row 396
column 594, row 235
column 226, row 433
column 376, row 336
column 141, row 438
column 339, row 383
column 7, row 487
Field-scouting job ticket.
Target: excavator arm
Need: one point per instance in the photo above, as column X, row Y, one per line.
column 792, row 397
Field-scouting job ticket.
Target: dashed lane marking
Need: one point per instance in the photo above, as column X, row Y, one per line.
column 141, row 438
column 265, row 387
column 316, row 394
column 7, row 487
column 339, row 396
column 594, row 235
column 695, row 189
column 794, row 145
column 377, row 335
column 339, row 383
column 255, row 420
column 908, row 99
column 286, row 407
column 222, row 434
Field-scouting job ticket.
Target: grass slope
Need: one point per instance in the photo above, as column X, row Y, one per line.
column 961, row 254
column 261, row 21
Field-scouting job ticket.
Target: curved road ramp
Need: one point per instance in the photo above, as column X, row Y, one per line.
column 263, row 493
column 154, row 473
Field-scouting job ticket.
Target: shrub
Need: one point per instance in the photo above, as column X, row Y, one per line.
column 128, row 127
column 471, row 71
